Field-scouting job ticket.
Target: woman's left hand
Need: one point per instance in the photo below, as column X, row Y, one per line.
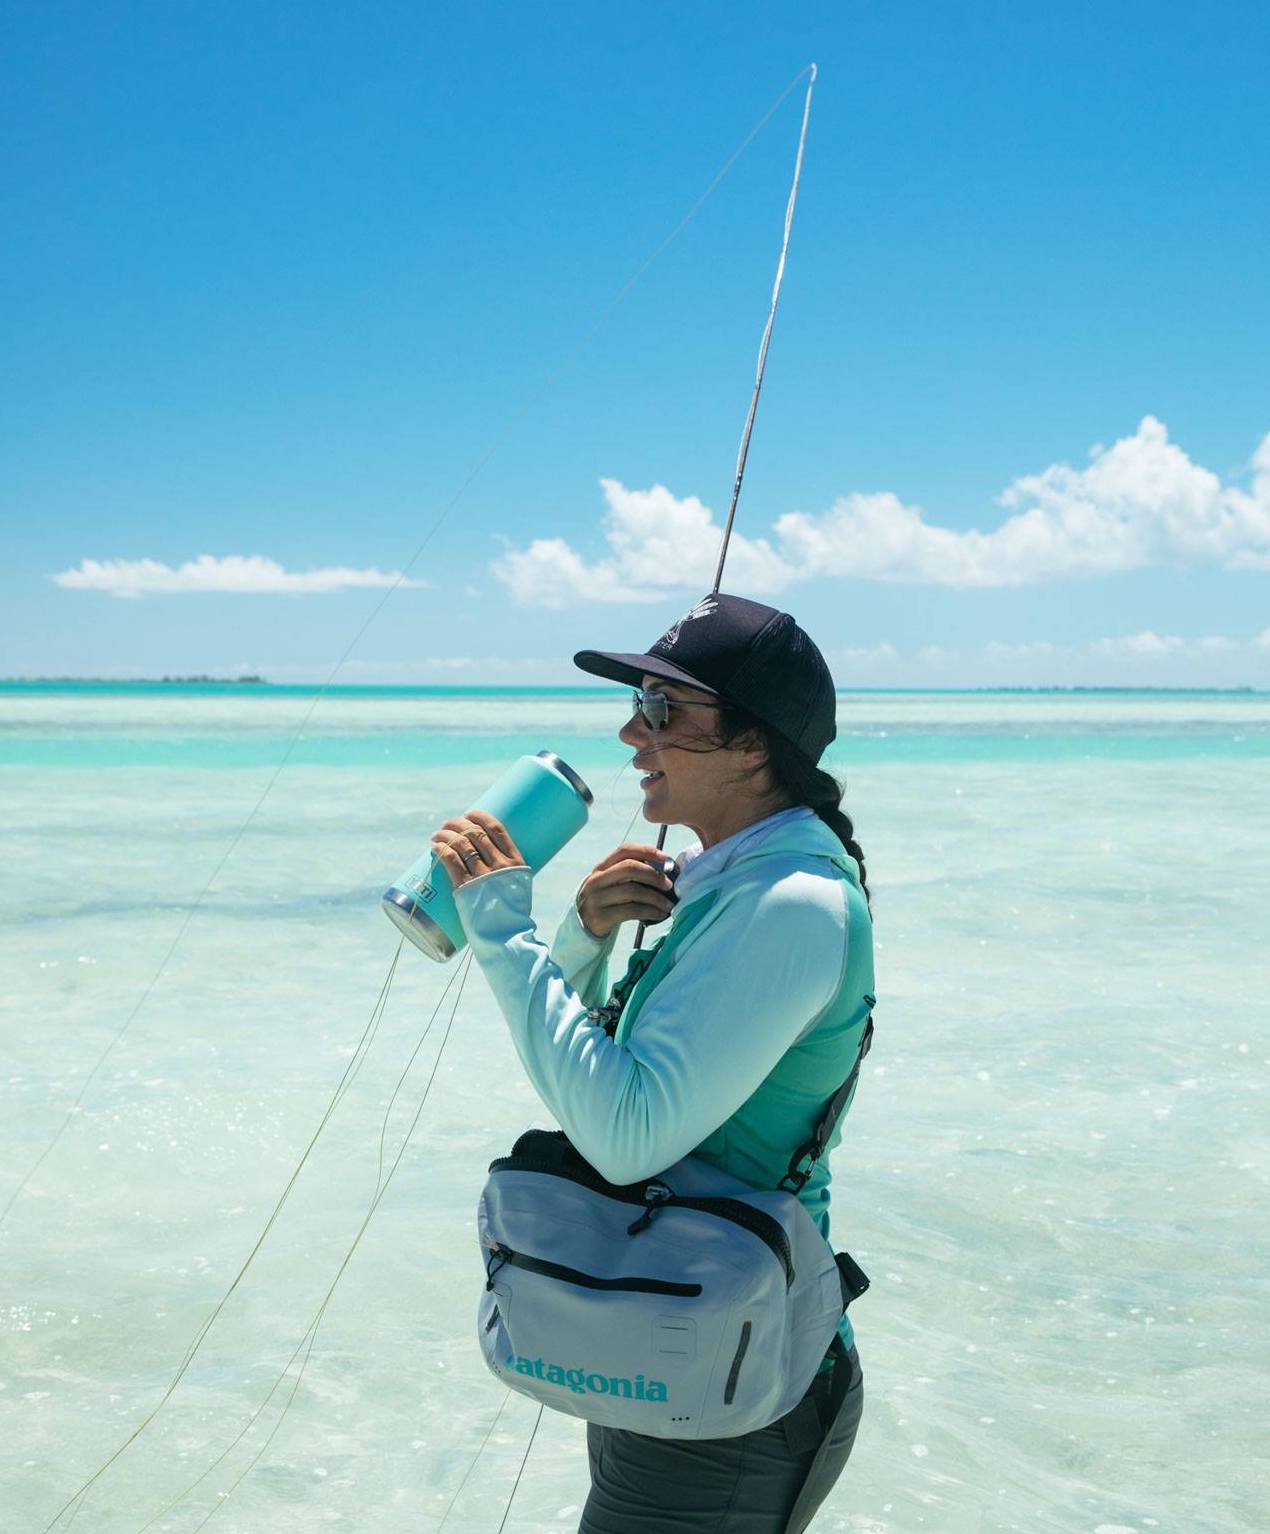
column 475, row 844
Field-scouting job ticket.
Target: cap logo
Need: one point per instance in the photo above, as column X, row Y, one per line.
column 701, row 610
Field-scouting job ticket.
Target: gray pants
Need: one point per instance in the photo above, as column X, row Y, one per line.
column 767, row 1482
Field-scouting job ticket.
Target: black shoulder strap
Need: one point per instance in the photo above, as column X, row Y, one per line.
column 806, row 1156
column 609, row 1015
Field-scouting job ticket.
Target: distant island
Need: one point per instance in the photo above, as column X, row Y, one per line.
column 1142, row 688
column 141, row 681
column 507, row 689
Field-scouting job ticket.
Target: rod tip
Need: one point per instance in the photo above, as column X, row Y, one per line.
column 812, row 81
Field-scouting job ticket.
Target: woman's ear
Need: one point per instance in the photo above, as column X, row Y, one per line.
column 767, row 775
column 754, row 761
column 751, row 745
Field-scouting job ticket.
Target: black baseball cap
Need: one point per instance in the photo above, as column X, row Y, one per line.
column 744, row 653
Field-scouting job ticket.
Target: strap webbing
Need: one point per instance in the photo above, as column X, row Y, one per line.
column 609, row 1015
column 806, row 1156
column 817, row 1479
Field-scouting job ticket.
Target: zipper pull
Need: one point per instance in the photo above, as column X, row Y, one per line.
column 656, row 1194
column 500, row 1257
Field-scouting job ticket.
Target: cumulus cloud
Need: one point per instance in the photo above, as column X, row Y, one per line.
column 1138, row 503
column 1025, row 650
column 657, row 542
column 1144, row 659
column 1150, row 643
column 430, row 670
column 884, row 651
column 1146, row 643
column 551, row 574
column 250, row 573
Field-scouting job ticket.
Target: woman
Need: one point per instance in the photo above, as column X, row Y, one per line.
column 731, row 1050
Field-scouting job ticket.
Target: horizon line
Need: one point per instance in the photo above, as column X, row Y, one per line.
column 253, row 682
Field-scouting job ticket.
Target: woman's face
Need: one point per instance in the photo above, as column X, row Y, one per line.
column 688, row 778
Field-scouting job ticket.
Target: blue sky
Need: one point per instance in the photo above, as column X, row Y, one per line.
column 278, row 276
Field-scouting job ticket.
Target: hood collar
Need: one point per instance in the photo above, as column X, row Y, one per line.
column 796, row 831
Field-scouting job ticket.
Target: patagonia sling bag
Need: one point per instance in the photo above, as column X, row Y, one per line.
column 690, row 1305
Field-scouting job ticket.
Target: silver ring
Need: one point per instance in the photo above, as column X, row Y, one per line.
column 463, row 857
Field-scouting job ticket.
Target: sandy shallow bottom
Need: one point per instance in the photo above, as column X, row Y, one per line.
column 1055, row 1171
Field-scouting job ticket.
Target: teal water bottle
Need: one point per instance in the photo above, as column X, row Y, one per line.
column 541, row 801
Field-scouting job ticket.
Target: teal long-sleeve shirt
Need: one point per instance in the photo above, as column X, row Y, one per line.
column 736, row 1050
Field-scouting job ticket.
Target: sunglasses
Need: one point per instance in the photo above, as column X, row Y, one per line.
column 656, row 707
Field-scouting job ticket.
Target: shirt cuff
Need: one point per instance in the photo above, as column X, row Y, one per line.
column 575, row 946
column 495, row 906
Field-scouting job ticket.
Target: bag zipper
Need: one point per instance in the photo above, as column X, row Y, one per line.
column 651, row 1194
column 631, row 1283
column 729, row 1392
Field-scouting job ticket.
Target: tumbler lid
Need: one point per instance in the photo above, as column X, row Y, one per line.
column 568, row 774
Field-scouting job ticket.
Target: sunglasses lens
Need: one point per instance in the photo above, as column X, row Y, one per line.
column 652, row 705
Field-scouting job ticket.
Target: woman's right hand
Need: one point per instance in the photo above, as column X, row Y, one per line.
column 628, row 885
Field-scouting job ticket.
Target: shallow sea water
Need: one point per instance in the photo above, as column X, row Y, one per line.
column 1055, row 1170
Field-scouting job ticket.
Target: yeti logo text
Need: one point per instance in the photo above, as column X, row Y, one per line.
column 701, row 610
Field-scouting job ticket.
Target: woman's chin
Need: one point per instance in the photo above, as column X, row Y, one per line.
column 655, row 805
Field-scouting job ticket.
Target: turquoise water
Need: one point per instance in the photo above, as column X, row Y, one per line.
column 163, row 725
column 1055, row 1170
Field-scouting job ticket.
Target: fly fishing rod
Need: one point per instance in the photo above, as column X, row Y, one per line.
column 75, row 1502
column 739, row 477
column 534, row 395
column 748, row 431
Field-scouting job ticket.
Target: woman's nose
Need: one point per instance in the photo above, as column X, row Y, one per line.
column 635, row 731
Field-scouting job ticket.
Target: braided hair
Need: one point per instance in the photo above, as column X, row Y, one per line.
column 795, row 777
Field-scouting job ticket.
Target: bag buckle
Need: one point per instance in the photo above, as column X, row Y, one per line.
column 798, row 1174
column 852, row 1276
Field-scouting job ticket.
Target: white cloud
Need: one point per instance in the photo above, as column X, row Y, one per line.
column 251, row 573
column 1138, row 503
column 1143, row 659
column 425, row 670
column 1150, row 643
column 550, row 574
column 658, row 543
column 1026, row 650
column 1145, row 643
column 873, row 652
